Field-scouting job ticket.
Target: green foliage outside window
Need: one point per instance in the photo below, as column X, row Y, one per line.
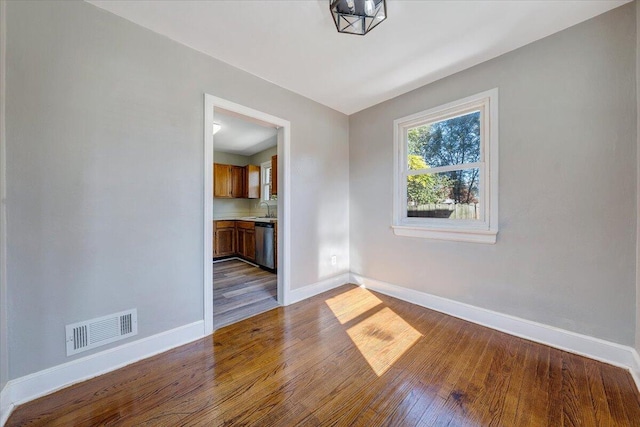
column 454, row 141
column 423, row 189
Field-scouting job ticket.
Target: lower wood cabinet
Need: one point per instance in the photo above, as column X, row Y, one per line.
column 224, row 238
column 234, row 238
column 246, row 239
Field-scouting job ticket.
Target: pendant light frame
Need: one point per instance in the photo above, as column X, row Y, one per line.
column 357, row 17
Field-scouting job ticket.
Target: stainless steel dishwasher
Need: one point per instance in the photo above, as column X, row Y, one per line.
column 264, row 245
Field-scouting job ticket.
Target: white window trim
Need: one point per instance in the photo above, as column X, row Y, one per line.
column 483, row 231
column 263, row 174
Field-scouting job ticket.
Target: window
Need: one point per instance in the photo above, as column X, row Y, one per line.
column 446, row 171
column 266, row 181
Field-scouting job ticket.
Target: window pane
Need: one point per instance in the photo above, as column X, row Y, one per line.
column 266, row 190
column 452, row 195
column 448, row 142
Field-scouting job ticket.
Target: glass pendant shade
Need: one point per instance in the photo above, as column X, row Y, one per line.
column 357, row 16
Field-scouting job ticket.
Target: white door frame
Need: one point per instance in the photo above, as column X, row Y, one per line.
column 284, row 204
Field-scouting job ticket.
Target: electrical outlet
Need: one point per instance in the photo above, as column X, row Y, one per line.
column 334, row 260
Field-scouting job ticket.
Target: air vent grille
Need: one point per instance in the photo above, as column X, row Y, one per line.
column 83, row 336
column 125, row 324
column 80, row 337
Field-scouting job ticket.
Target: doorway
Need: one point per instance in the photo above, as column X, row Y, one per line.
column 246, row 256
column 244, row 217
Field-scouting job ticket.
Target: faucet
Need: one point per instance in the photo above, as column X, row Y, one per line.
column 268, row 208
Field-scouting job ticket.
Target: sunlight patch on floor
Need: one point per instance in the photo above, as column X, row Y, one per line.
column 351, row 304
column 382, row 338
column 380, row 334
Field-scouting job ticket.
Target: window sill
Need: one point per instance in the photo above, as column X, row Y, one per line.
column 466, row 235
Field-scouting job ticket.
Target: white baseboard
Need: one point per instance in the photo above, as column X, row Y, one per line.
column 32, row 386
column 6, row 407
column 296, row 295
column 635, row 368
column 584, row 345
column 235, row 258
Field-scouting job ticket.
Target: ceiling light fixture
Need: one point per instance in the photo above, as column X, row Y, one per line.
column 216, row 127
column 357, row 16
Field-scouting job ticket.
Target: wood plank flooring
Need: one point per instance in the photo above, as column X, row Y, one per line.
column 349, row 357
column 241, row 290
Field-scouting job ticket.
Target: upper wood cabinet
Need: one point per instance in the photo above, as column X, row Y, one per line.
column 238, row 181
column 274, row 174
column 226, row 180
column 252, row 182
column 230, row 181
column 221, row 179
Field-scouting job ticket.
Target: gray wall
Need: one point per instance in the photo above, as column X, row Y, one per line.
column 638, row 177
column 230, row 159
column 4, row 335
column 105, row 175
column 239, row 160
column 263, row 156
column 565, row 254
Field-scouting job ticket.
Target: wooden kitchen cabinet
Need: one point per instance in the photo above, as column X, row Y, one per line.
column 246, row 239
column 238, row 179
column 232, row 237
column 252, row 182
column 274, row 175
column 230, row 181
column 224, row 238
column 221, row 180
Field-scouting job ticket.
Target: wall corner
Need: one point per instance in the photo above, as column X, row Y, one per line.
column 4, row 329
column 637, row 323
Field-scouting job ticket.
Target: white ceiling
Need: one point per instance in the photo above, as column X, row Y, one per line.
column 295, row 45
column 242, row 135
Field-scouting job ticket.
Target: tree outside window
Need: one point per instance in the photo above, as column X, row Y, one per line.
column 446, row 165
column 446, row 143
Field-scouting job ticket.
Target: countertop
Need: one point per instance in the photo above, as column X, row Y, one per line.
column 246, row 218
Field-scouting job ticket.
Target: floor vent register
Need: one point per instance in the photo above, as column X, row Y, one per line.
column 83, row 336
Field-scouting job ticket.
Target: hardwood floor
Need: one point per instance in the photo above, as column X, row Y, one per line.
column 241, row 290
column 350, row 357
